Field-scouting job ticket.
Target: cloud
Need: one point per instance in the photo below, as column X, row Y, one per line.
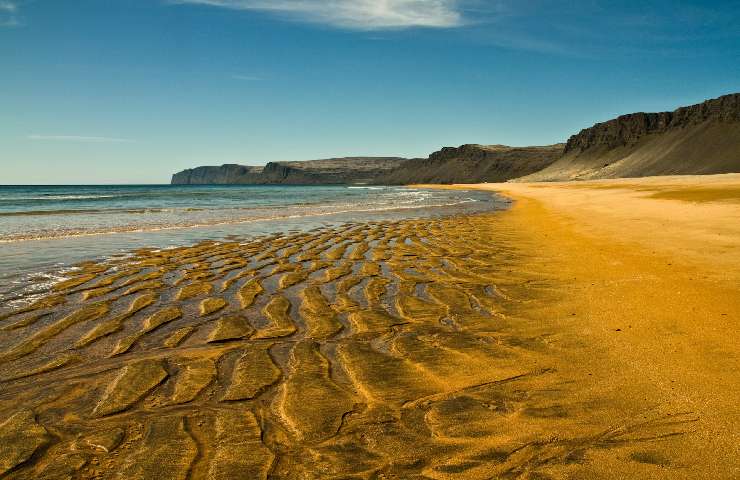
column 247, row 78
column 8, row 14
column 598, row 29
column 354, row 14
column 78, row 138
column 8, row 7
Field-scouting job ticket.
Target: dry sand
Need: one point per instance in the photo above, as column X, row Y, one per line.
column 647, row 275
column 587, row 333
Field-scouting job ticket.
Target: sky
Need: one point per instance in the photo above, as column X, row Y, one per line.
column 131, row 91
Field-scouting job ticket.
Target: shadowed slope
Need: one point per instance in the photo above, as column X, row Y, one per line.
column 700, row 139
column 473, row 164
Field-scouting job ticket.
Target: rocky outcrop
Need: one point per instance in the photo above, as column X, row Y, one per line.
column 312, row 172
column 629, row 129
column 699, row 139
column 224, row 174
column 473, row 164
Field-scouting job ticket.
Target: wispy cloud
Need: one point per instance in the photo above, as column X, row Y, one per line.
column 598, row 29
column 354, row 14
column 247, row 78
column 8, row 7
column 8, row 14
column 78, row 138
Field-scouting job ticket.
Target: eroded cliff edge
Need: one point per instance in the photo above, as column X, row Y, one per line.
column 699, row 139
column 473, row 164
column 312, row 172
column 464, row 164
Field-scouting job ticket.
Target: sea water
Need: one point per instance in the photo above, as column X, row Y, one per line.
column 45, row 230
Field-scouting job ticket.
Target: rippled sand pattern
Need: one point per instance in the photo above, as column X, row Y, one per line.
column 380, row 350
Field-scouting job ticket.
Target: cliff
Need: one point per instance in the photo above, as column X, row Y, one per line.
column 473, row 164
column 330, row 171
column 217, row 175
column 699, row 139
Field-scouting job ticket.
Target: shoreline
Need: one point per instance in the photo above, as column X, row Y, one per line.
column 217, row 223
column 31, row 258
column 519, row 343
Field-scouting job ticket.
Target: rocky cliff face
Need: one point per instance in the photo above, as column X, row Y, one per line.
column 629, row 129
column 473, row 164
column 224, row 174
column 312, row 172
column 699, row 139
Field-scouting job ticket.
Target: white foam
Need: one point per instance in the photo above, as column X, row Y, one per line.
column 59, row 197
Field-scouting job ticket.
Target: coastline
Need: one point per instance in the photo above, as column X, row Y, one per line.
column 522, row 343
column 646, row 272
column 35, row 254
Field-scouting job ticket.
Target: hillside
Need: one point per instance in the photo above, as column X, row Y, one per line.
column 464, row 164
column 700, row 139
column 473, row 164
column 310, row 172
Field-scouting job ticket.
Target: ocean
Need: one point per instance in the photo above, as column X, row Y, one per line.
column 46, row 230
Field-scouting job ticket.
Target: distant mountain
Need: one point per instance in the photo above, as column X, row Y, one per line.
column 473, row 164
column 224, row 174
column 700, row 139
column 464, row 164
column 330, row 171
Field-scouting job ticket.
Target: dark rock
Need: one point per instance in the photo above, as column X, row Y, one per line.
column 333, row 171
column 628, row 129
column 699, row 139
column 473, row 164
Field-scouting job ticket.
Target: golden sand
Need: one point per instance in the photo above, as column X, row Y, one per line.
column 647, row 275
column 589, row 332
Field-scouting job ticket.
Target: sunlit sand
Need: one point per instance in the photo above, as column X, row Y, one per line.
column 588, row 332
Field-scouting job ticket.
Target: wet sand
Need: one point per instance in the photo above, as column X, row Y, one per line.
column 535, row 343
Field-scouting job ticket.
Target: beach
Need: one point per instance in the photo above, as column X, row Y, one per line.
column 369, row 240
column 46, row 230
column 646, row 273
column 589, row 331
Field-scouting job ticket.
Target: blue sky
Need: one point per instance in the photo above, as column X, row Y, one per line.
column 130, row 91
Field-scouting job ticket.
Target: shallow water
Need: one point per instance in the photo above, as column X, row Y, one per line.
column 42, row 212
column 45, row 230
